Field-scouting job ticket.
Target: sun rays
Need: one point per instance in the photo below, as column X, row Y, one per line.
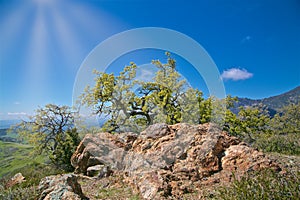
column 42, row 44
column 51, row 32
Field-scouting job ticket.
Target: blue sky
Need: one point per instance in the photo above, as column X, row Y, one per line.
column 255, row 44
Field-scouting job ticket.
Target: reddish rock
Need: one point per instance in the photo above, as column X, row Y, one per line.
column 170, row 160
column 17, row 179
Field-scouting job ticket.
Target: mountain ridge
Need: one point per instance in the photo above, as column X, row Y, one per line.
column 274, row 103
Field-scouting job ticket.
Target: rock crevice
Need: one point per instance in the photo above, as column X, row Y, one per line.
column 169, row 160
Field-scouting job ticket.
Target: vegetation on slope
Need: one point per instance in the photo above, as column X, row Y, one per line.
column 33, row 173
column 274, row 103
column 266, row 184
column 52, row 131
column 15, row 156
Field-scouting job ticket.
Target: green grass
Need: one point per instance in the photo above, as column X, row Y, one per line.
column 109, row 188
column 28, row 190
column 116, row 193
column 266, row 185
column 288, row 144
column 14, row 156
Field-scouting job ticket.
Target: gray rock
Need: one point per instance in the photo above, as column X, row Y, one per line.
column 103, row 148
column 60, row 187
column 99, row 171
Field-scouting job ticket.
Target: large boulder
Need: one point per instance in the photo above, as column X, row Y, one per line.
column 102, row 149
column 169, row 160
column 60, row 187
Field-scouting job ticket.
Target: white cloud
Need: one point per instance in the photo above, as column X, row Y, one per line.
column 236, row 74
column 17, row 103
column 17, row 113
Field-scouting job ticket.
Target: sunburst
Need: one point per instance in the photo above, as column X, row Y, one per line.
column 49, row 32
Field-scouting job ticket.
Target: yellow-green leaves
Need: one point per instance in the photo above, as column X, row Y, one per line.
column 48, row 132
column 131, row 105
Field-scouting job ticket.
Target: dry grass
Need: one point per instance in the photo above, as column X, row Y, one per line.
column 110, row 188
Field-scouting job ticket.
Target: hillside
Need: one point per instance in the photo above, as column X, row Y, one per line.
column 277, row 102
column 163, row 162
column 178, row 161
column 14, row 156
column 274, row 103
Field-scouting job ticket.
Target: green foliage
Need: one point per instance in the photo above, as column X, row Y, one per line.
column 266, row 184
column 110, row 95
column 131, row 105
column 61, row 156
column 193, row 113
column 253, row 122
column 28, row 190
column 168, row 92
column 51, row 131
column 249, row 124
column 205, row 110
column 288, row 120
column 285, row 132
column 279, row 134
column 286, row 144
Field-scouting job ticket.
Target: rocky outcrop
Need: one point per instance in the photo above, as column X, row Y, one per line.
column 169, row 160
column 60, row 187
column 102, row 149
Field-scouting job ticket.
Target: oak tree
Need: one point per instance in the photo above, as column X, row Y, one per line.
column 131, row 105
column 51, row 131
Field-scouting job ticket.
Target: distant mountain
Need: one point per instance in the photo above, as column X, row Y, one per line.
column 5, row 124
column 277, row 102
column 274, row 103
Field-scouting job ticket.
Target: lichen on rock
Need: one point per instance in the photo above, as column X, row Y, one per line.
column 60, row 187
column 170, row 160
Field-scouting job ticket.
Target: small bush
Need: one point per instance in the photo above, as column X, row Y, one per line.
column 61, row 156
column 19, row 193
column 266, row 184
column 285, row 144
column 27, row 190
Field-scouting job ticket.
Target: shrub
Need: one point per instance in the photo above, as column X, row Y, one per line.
column 27, row 190
column 61, row 156
column 285, row 144
column 265, row 184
